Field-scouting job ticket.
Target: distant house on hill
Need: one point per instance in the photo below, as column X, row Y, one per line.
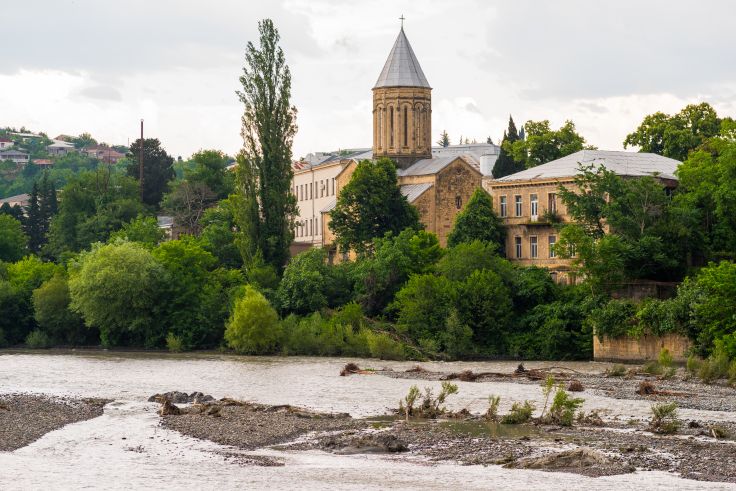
column 5, row 143
column 20, row 158
column 43, row 163
column 60, row 147
column 104, row 153
column 26, row 136
column 21, row 200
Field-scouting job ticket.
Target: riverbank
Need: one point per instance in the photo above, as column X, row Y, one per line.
column 24, row 418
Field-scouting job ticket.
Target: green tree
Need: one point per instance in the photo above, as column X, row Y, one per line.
column 715, row 308
column 675, row 136
column 12, row 239
column 142, row 229
column 187, row 203
column 254, row 325
column 218, row 234
column 33, row 227
column 369, row 206
column 464, row 259
column 484, row 304
column 51, row 311
column 505, row 163
column 304, row 286
column 210, row 168
column 444, row 140
column 542, row 144
column 478, row 221
column 267, row 207
column 157, row 169
column 95, row 204
column 194, row 293
column 423, row 306
column 379, row 276
column 84, row 140
column 115, row 287
column 14, row 211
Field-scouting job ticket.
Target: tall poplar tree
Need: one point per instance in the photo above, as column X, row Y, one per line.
column 266, row 208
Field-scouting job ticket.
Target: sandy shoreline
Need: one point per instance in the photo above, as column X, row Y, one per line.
column 24, row 418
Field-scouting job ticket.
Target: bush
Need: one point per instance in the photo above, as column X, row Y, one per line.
column 693, row 364
column 665, row 358
column 302, row 288
column 382, row 346
column 614, row 319
column 484, row 305
column 492, row 412
column 520, row 413
column 562, row 411
column 174, row 343
column 664, row 418
column 424, row 305
column 616, row 371
column 254, row 325
column 53, row 315
column 38, row 340
column 716, row 366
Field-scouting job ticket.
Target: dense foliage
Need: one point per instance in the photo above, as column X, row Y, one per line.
column 478, row 221
column 542, row 144
column 369, row 206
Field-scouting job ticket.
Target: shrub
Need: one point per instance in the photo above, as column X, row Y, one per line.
column 732, row 373
column 562, row 411
column 665, row 358
column 382, row 346
column 693, row 364
column 424, row 304
column 520, row 413
column 575, row 386
column 174, row 343
column 652, row 368
column 52, row 313
column 38, row 340
column 664, row 418
column 716, row 366
column 302, row 288
column 430, row 407
column 492, row 412
column 253, row 327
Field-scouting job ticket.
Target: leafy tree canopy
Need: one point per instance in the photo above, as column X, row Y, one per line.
column 478, row 221
column 13, row 241
column 157, row 169
column 542, row 144
column 371, row 205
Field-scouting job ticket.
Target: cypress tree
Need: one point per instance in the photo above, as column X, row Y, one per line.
column 505, row 164
column 33, row 221
column 47, row 205
column 478, row 221
column 444, row 140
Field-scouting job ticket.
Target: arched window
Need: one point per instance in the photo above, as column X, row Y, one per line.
column 406, row 126
column 458, row 202
column 391, row 127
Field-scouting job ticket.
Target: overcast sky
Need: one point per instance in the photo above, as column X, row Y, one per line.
column 69, row 66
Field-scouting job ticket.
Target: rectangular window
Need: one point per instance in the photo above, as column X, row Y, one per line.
column 552, row 241
column 533, row 206
column 533, row 247
column 517, row 202
column 333, row 186
column 552, row 202
column 517, row 245
column 503, row 205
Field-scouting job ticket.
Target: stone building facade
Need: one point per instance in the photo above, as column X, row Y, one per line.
column 529, row 205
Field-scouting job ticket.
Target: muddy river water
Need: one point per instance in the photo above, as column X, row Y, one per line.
column 126, row 448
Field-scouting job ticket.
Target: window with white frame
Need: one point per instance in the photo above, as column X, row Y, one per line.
column 533, row 247
column 517, row 246
column 517, row 205
column 533, row 206
column 503, row 206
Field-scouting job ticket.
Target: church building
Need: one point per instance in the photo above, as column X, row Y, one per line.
column 438, row 181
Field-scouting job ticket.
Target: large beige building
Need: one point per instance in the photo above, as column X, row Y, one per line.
column 529, row 205
column 437, row 180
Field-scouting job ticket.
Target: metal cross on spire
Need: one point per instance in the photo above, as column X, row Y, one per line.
column 402, row 20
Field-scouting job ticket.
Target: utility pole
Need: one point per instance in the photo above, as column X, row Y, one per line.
column 140, row 163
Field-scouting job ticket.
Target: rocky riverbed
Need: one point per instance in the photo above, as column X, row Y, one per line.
column 24, row 418
column 700, row 450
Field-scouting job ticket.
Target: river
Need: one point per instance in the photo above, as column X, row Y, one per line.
column 126, row 448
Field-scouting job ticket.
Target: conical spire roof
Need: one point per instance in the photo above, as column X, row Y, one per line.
column 402, row 68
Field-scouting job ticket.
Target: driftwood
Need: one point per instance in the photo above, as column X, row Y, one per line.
column 520, row 372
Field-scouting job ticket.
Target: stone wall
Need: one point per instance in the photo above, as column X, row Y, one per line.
column 640, row 349
column 457, row 180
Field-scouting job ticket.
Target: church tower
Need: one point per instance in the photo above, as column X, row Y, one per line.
column 402, row 108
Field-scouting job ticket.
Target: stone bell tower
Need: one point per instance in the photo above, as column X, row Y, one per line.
column 402, row 108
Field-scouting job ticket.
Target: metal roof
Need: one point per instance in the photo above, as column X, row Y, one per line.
column 622, row 163
column 330, row 206
column 402, row 68
column 426, row 167
column 413, row 191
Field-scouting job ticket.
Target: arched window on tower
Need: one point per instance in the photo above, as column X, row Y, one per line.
column 380, row 127
column 406, row 126
column 391, row 126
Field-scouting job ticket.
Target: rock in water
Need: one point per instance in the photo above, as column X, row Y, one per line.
column 169, row 409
